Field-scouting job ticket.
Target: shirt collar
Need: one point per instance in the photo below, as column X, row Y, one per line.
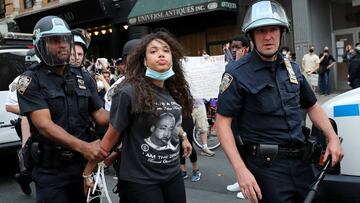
column 259, row 64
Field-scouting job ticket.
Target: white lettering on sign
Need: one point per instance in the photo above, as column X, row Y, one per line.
column 229, row 5
column 187, row 10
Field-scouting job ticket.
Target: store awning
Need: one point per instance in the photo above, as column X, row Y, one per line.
column 74, row 13
column 145, row 11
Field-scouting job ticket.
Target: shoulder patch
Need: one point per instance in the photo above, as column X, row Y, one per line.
column 225, row 82
column 23, row 83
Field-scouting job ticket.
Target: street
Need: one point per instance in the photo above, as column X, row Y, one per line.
column 216, row 175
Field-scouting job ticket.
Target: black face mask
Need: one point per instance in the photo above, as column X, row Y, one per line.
column 311, row 50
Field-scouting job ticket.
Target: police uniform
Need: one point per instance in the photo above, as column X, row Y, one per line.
column 70, row 99
column 268, row 98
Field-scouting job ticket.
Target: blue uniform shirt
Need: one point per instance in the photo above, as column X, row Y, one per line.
column 70, row 98
column 269, row 107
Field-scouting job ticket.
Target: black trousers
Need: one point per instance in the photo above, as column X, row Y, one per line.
column 64, row 185
column 285, row 181
column 171, row 191
column 188, row 126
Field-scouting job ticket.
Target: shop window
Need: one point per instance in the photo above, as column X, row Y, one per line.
column 345, row 14
column 28, row 4
column 2, row 9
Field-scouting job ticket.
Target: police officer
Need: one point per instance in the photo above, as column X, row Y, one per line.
column 58, row 100
column 82, row 41
column 267, row 93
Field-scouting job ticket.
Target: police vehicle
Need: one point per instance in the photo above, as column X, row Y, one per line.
column 13, row 49
column 342, row 183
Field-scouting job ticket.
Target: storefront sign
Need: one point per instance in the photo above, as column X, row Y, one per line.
column 204, row 75
column 181, row 11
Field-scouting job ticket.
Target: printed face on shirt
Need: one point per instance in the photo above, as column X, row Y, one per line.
column 158, row 56
column 267, row 39
column 163, row 129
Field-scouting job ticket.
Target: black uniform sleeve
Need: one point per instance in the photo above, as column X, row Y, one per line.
column 29, row 95
column 120, row 111
column 95, row 100
column 230, row 97
column 307, row 96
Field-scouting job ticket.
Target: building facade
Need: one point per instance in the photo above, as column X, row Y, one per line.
column 200, row 25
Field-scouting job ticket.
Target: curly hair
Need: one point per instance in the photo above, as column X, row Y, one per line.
column 177, row 85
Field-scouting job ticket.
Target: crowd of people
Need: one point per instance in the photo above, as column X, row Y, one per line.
column 140, row 108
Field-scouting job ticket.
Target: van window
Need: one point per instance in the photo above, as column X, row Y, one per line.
column 12, row 64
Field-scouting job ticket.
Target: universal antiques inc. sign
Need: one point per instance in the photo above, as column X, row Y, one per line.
column 149, row 16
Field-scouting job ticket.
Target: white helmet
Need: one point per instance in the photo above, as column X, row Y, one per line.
column 264, row 13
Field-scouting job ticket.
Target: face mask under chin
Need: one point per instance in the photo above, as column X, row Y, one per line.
column 157, row 75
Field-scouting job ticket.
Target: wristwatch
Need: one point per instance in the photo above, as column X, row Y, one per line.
column 183, row 135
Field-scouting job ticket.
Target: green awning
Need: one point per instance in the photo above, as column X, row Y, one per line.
column 145, row 11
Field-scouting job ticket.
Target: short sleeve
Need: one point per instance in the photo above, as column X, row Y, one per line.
column 11, row 98
column 28, row 94
column 120, row 111
column 307, row 96
column 230, row 96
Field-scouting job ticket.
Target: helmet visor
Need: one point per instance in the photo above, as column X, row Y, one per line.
column 265, row 13
column 55, row 50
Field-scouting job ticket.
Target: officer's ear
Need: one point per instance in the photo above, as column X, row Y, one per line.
column 145, row 62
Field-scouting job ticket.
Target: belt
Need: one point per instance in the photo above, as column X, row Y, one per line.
column 275, row 151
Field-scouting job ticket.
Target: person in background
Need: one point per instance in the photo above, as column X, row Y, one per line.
column 154, row 85
column 188, row 126
column 310, row 64
column 271, row 167
column 82, row 42
column 119, row 70
column 127, row 50
column 326, row 62
column 200, row 120
column 354, row 68
column 238, row 48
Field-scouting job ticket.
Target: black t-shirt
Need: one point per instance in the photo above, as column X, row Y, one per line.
column 150, row 151
column 325, row 62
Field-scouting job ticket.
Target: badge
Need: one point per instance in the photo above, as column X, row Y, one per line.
column 81, row 84
column 23, row 83
column 291, row 72
column 225, row 82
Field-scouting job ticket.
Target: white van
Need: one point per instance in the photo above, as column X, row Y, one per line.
column 342, row 184
column 12, row 63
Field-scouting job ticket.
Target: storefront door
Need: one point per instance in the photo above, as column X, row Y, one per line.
column 342, row 38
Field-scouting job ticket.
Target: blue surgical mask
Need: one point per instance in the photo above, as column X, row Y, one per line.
column 157, row 75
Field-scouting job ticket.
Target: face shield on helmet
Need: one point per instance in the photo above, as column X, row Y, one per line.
column 53, row 41
column 264, row 13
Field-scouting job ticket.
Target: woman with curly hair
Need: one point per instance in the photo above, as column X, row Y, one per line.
column 148, row 104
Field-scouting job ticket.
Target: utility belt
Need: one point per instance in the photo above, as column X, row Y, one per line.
column 53, row 156
column 267, row 153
